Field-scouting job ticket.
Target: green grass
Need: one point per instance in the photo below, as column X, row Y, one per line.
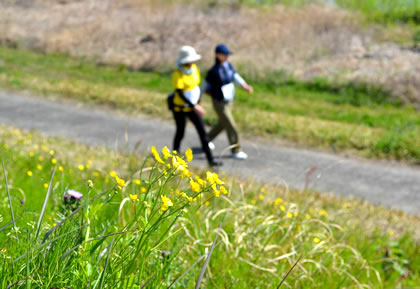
column 114, row 242
column 388, row 11
column 355, row 118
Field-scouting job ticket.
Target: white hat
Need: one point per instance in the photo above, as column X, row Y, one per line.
column 187, row 54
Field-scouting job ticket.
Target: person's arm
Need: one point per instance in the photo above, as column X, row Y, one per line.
column 182, row 95
column 241, row 82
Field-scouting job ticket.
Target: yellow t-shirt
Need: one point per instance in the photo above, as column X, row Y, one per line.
column 185, row 82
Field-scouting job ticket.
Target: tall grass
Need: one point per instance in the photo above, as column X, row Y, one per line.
column 124, row 234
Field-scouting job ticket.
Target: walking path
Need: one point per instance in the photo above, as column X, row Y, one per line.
column 392, row 186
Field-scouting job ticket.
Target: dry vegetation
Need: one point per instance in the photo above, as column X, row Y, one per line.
column 309, row 42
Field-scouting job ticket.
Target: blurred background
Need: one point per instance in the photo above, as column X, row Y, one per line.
column 369, row 41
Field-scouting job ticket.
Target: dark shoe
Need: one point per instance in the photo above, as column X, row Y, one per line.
column 215, row 164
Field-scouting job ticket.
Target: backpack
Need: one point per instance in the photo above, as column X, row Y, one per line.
column 170, row 100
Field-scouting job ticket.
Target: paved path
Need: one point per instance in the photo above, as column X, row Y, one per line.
column 393, row 186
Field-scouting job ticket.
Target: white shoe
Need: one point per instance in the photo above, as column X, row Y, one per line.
column 212, row 146
column 240, row 156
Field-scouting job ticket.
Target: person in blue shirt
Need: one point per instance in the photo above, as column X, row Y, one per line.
column 221, row 80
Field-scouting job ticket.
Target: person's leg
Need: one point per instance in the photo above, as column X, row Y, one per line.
column 199, row 126
column 230, row 125
column 219, row 127
column 180, row 121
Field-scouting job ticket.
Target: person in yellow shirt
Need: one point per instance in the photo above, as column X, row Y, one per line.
column 184, row 101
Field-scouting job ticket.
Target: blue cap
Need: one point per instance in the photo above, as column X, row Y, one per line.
column 223, row 49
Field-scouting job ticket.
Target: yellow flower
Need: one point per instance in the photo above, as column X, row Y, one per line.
column 120, row 182
column 195, row 187
column 81, row 167
column 53, row 161
column 166, row 203
column 323, row 213
column 52, row 152
column 213, row 178
column 156, row 155
column 60, row 168
column 41, row 158
column 87, row 166
column 317, row 240
column 307, row 217
column 216, row 193
column 261, row 197
column 46, row 185
column 166, row 153
column 90, row 183
column 137, row 182
column 44, row 148
column 262, row 190
column 29, row 173
column 207, row 203
column 96, row 174
column 39, row 167
column 289, row 215
column 283, row 208
column 202, row 182
column 278, row 201
column 179, row 163
column 210, row 177
column 113, row 174
column 189, row 154
column 223, row 190
column 295, row 214
column 253, row 202
column 391, row 233
column 186, row 173
column 31, row 154
column 143, row 190
column 36, row 147
column 133, row 197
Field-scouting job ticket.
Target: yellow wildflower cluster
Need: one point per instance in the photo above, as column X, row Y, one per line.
column 173, row 163
column 120, row 182
column 179, row 164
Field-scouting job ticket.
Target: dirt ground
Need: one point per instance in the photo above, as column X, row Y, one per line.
column 309, row 42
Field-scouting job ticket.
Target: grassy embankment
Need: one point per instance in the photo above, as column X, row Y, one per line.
column 344, row 118
column 377, row 10
column 124, row 236
column 400, row 17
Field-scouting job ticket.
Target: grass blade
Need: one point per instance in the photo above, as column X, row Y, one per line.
column 47, row 234
column 44, row 206
column 148, row 281
column 203, row 269
column 287, row 274
column 7, row 189
column 101, row 281
column 10, row 223
column 186, row 272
